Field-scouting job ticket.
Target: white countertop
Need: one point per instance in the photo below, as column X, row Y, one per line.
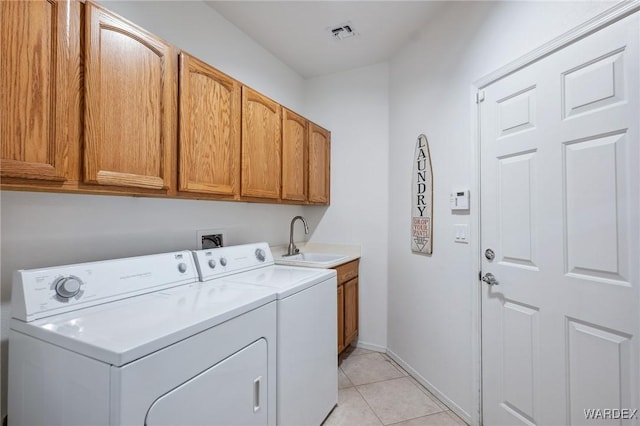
column 351, row 252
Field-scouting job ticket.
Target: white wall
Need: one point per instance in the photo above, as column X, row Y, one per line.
column 203, row 32
column 354, row 106
column 430, row 297
column 52, row 229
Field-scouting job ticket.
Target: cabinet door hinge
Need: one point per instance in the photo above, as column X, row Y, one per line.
column 479, row 96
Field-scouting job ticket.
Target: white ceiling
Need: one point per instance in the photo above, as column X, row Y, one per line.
column 298, row 32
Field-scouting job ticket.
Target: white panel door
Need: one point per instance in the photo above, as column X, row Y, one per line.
column 560, row 208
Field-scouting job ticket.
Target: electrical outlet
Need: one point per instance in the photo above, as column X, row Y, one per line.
column 210, row 238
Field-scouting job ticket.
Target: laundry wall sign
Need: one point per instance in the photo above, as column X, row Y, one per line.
column 422, row 199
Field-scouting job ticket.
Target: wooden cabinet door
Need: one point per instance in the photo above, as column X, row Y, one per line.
column 130, row 110
column 209, row 140
column 350, row 310
column 319, row 164
column 294, row 156
column 341, row 345
column 261, row 144
column 39, row 88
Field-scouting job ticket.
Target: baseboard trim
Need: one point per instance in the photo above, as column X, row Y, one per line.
column 430, row 387
column 371, row 347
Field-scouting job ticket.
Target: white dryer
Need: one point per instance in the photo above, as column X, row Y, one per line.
column 307, row 359
column 139, row 341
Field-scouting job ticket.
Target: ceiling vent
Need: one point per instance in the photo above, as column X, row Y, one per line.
column 343, row 31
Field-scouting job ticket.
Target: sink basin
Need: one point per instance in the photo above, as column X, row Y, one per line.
column 318, row 258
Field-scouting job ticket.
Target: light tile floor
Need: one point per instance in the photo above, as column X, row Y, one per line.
column 374, row 390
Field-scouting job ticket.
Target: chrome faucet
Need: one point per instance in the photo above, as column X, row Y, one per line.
column 292, row 247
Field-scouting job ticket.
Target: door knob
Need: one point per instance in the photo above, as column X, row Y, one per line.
column 490, row 279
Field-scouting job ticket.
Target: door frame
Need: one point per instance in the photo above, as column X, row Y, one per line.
column 604, row 19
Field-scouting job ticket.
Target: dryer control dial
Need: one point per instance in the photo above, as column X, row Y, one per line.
column 260, row 254
column 182, row 267
column 68, row 287
column 212, row 263
column 223, row 261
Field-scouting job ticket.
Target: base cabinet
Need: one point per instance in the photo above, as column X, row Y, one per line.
column 340, row 318
column 347, row 304
column 350, row 310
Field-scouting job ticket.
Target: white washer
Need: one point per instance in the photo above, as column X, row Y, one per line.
column 307, row 359
column 140, row 341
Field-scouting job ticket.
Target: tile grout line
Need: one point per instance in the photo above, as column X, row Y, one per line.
column 394, row 423
column 380, row 381
column 419, row 417
column 418, row 386
column 345, row 375
column 369, row 405
column 427, row 392
column 443, row 409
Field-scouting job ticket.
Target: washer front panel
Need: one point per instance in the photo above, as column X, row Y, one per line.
column 224, row 261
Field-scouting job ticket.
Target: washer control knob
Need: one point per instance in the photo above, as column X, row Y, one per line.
column 223, row 261
column 67, row 287
column 260, row 254
column 182, row 267
column 212, row 263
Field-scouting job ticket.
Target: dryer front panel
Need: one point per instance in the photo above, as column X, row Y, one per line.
column 140, row 385
column 231, row 392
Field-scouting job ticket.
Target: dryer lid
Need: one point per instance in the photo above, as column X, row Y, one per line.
column 120, row 332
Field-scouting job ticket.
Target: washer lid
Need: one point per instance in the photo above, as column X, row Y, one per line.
column 123, row 331
column 285, row 280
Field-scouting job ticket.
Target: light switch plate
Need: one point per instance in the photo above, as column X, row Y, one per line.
column 461, row 233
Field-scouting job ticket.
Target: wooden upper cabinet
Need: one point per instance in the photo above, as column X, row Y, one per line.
column 319, row 164
column 39, row 89
column 209, row 139
column 130, row 103
column 261, row 144
column 89, row 103
column 294, row 156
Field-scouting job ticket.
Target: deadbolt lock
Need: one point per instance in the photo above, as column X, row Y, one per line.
column 489, row 254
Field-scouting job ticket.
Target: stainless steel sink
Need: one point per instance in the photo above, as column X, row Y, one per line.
column 317, row 258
